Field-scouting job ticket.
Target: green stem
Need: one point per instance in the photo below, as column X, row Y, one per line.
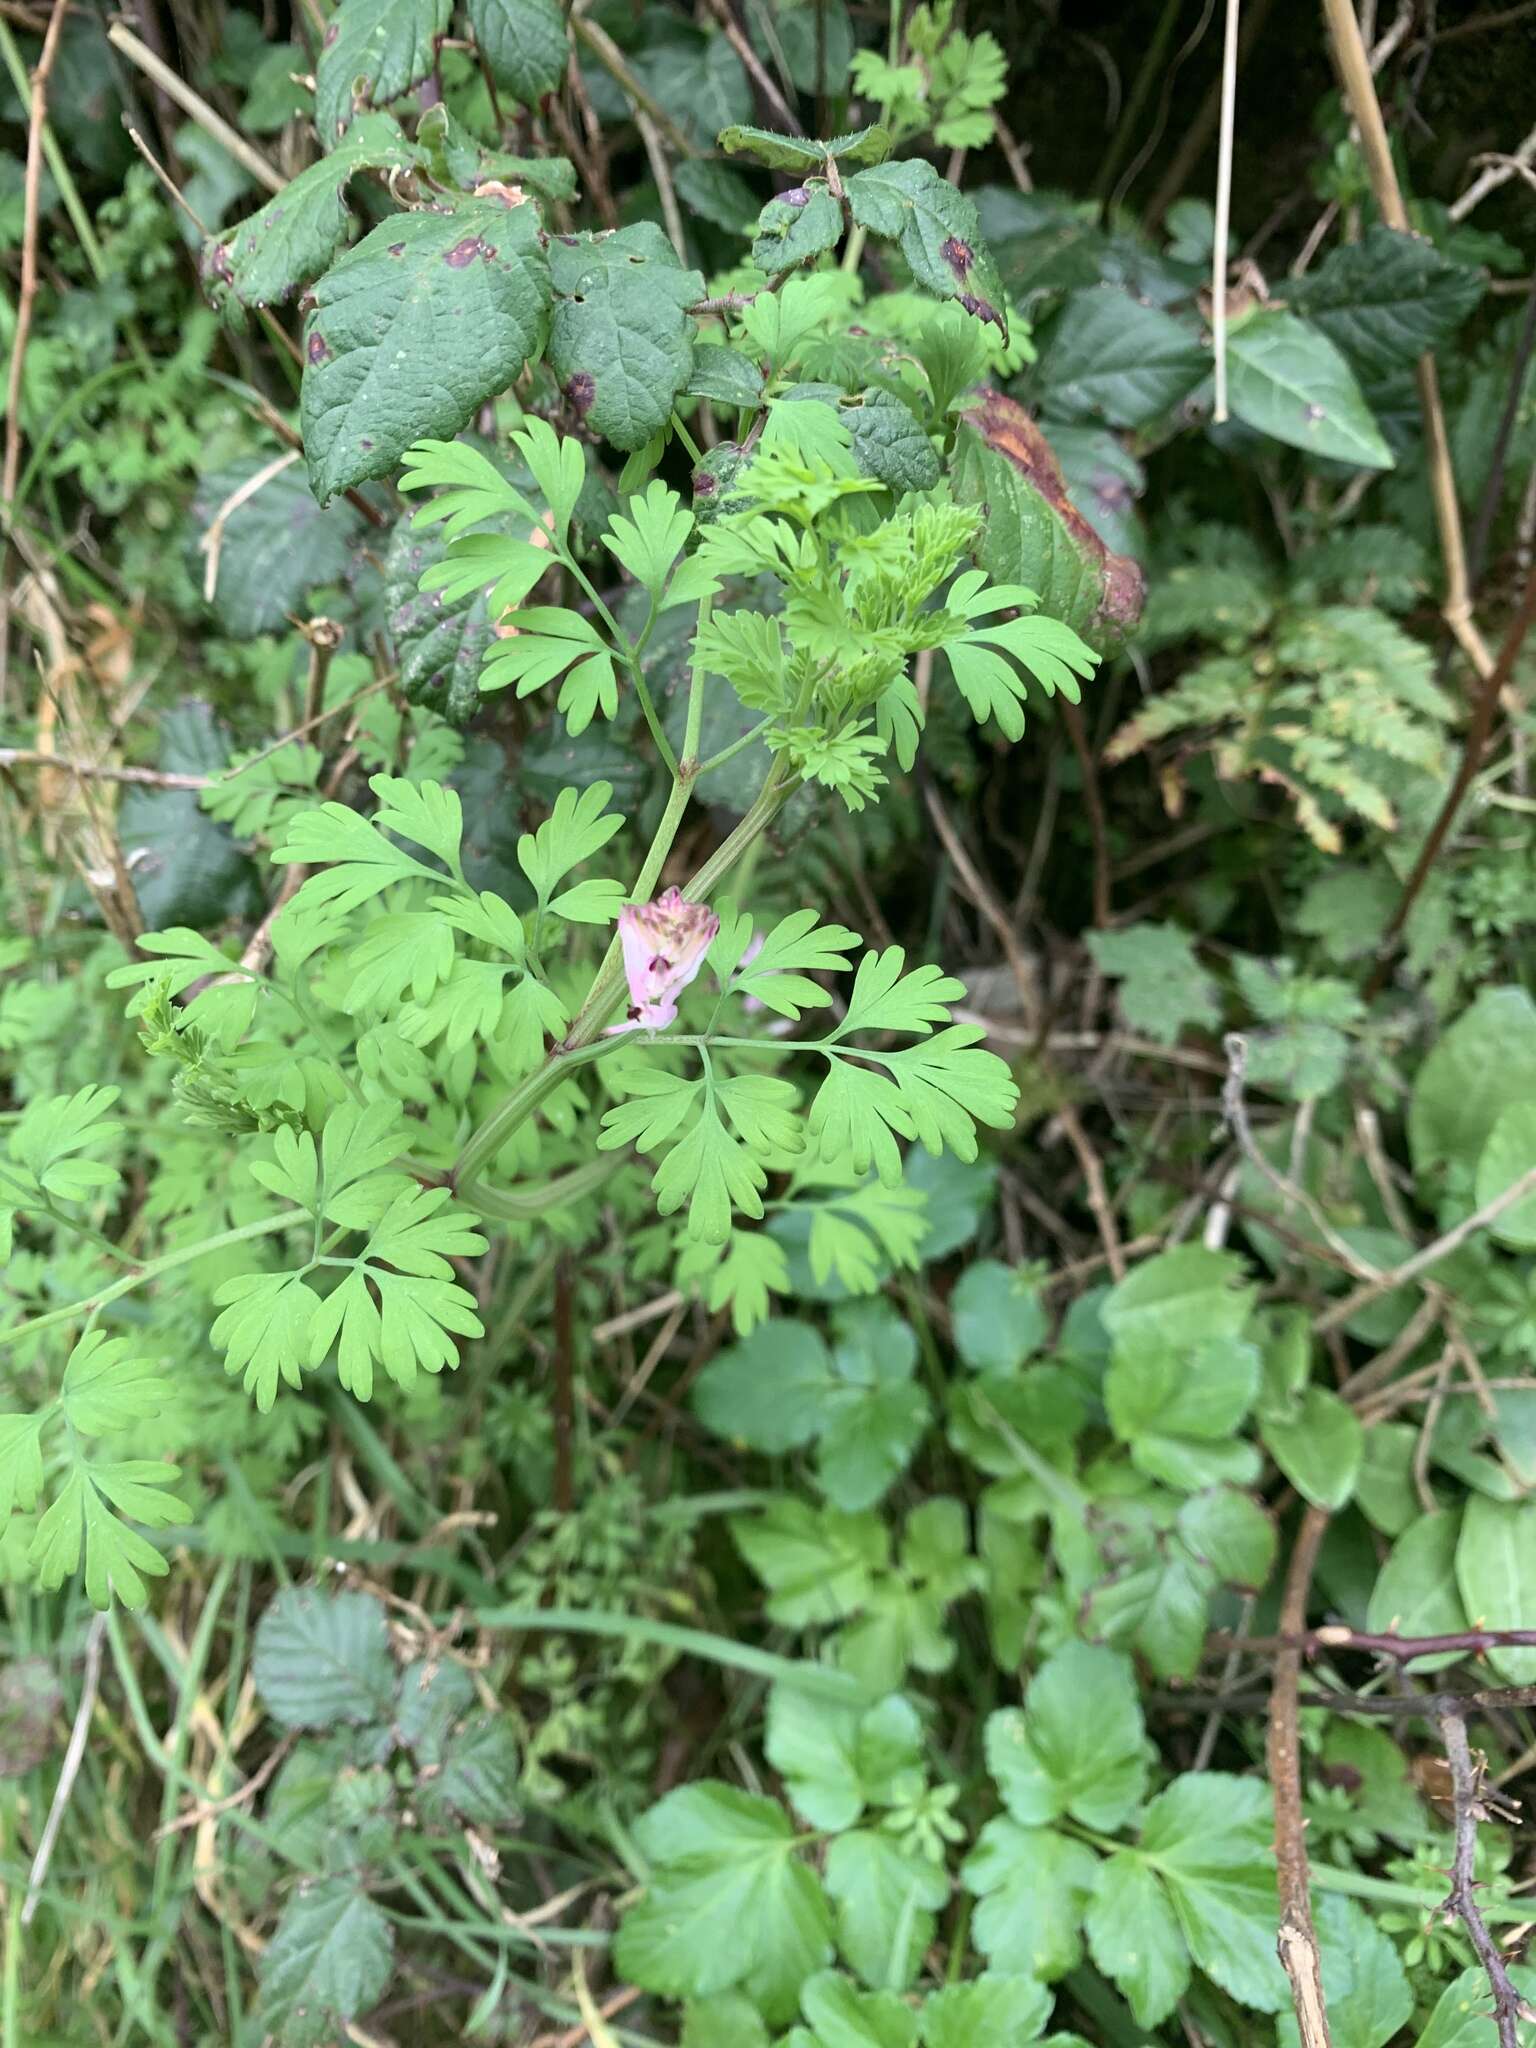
column 28, row 1201
column 1356, row 1885
column 726, row 753
column 263, row 1227
column 520, row 1205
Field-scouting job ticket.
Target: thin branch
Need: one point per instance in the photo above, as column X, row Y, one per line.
column 1297, row 1939
column 191, row 103
column 1493, row 176
column 661, row 171
column 754, row 66
column 1093, row 801
column 99, row 771
column 613, row 61
column 1234, row 1109
column 1354, row 66
column 69, row 1770
column 1429, row 1706
column 1401, row 1649
column 31, row 197
column 1223, row 206
column 1430, row 1255
column 1473, row 748
column 1509, row 2008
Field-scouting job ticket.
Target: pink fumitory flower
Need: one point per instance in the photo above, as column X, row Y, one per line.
column 664, row 947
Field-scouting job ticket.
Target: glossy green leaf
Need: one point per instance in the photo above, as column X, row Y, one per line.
column 1287, row 379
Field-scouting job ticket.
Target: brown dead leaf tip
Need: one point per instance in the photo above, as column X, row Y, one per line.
column 581, row 391
column 1007, row 429
column 504, row 195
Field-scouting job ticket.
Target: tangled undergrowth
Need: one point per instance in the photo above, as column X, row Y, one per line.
column 769, row 1157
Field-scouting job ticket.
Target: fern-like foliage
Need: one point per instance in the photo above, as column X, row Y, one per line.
column 1334, row 705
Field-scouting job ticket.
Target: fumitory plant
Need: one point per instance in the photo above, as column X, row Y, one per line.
column 424, row 1059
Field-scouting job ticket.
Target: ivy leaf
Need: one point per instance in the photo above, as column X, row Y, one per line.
column 1052, row 1758
column 1034, row 1886
column 329, row 1960
column 106, row 1388
column 296, row 235
column 621, row 343
column 1494, row 1575
column 430, row 315
column 729, row 1902
column 322, row 1659
column 373, row 51
column 1288, row 380
column 1163, row 987
column 524, row 43
column 938, row 231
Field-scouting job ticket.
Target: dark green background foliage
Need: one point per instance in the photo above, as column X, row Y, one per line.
column 786, row 1525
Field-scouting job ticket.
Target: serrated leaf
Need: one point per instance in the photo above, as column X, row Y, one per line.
column 1033, row 1886
column 886, row 1899
column 297, row 234
column 1386, row 299
column 938, row 231
column 1163, row 987
column 329, row 1960
column 429, row 316
column 796, row 227
column 621, row 342
column 1134, row 1938
column 728, row 376
column 374, row 51
column 1052, row 1758
column 728, row 1902
column 994, row 2010
column 1032, row 534
column 1287, row 379
column 523, row 42
column 890, row 444
column 324, row 1659
column 1209, row 1837
column 801, row 153
column 1111, row 357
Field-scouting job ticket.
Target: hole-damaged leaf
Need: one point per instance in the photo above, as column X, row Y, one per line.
column 425, row 319
column 374, row 51
column 622, row 342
